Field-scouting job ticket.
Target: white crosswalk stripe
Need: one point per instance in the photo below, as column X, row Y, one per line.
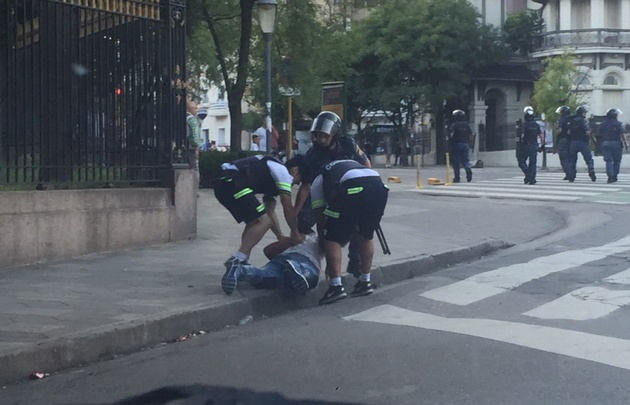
column 549, row 187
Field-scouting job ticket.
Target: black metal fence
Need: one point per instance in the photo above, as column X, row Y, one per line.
column 91, row 91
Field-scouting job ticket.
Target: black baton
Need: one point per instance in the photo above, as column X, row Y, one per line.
column 382, row 241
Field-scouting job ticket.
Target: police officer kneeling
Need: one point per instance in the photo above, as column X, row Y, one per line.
column 348, row 198
column 612, row 134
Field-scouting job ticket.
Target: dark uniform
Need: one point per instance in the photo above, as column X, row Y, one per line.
column 460, row 134
column 244, row 178
column 563, row 141
column 528, row 148
column 611, row 133
column 579, row 135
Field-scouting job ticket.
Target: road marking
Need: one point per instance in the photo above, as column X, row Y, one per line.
column 583, row 304
column 600, row 349
column 463, row 193
column 619, row 278
column 494, row 282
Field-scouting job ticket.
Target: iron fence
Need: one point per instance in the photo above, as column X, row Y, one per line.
column 91, row 91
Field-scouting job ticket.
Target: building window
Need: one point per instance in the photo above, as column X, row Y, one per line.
column 610, row 80
column 581, row 79
column 221, row 137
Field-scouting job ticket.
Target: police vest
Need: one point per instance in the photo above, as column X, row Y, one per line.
column 332, row 174
column 530, row 132
column 317, row 157
column 576, row 129
column 254, row 173
column 461, row 132
column 611, row 130
column 563, row 125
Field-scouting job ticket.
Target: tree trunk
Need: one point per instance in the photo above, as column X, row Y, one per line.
column 440, row 144
column 236, row 122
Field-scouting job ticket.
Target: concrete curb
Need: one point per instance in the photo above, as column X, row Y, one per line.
column 106, row 342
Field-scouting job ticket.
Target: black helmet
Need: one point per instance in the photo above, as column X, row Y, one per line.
column 459, row 115
column 528, row 113
column 581, row 111
column 564, row 111
column 613, row 113
column 327, row 122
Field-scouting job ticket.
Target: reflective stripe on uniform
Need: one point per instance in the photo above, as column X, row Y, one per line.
column 260, row 208
column 286, row 187
column 243, row 192
column 355, row 190
column 318, row 203
column 331, row 214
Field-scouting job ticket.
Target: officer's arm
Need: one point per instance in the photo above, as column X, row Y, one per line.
column 302, row 195
column 290, row 215
column 319, row 203
column 361, row 157
column 270, row 210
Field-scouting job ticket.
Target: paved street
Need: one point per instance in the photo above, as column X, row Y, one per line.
column 543, row 322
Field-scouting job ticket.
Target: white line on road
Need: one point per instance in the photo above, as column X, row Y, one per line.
column 491, row 283
column 600, row 349
column 523, row 188
column 583, row 304
column 463, row 193
column 619, row 278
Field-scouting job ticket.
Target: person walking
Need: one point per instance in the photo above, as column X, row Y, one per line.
column 328, row 145
column 579, row 133
column 612, row 135
column 459, row 138
column 529, row 137
column 562, row 140
column 236, row 190
column 348, row 199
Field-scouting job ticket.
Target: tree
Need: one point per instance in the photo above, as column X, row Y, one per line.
column 555, row 86
column 523, row 31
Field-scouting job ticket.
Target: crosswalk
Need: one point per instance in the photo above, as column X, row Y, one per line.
column 549, row 187
column 590, row 301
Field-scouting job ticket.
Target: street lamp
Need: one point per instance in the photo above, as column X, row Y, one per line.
column 267, row 22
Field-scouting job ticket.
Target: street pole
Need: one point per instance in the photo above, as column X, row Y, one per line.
column 266, row 20
column 267, row 38
column 290, row 128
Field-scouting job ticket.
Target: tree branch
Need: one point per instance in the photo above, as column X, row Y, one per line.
column 217, row 45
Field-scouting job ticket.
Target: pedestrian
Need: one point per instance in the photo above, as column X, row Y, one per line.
column 530, row 136
column 192, row 134
column 236, row 190
column 255, row 146
column 295, row 268
column 579, row 133
column 397, row 153
column 460, row 135
column 562, row 140
column 388, row 151
column 368, row 149
column 612, row 135
column 261, row 131
column 328, row 145
column 349, row 199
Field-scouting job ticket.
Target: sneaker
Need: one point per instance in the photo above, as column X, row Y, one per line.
column 299, row 284
column 592, row 176
column 334, row 293
column 468, row 175
column 230, row 277
column 362, row 288
column 354, row 268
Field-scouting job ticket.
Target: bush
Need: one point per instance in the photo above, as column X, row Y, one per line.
column 210, row 164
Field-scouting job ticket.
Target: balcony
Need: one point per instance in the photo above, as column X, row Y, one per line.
column 600, row 38
column 218, row 109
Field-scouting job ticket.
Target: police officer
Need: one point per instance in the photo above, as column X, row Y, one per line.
column 328, row 145
column 529, row 137
column 236, row 190
column 579, row 133
column 562, row 140
column 611, row 132
column 348, row 199
column 460, row 135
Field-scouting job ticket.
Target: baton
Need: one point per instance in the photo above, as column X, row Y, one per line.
column 382, row 241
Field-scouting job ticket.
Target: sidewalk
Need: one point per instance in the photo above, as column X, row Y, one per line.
column 64, row 314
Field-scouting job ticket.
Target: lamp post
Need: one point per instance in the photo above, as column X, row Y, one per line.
column 267, row 21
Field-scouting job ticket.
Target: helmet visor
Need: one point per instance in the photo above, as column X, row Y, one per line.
column 323, row 125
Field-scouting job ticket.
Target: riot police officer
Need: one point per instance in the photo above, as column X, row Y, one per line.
column 460, row 135
column 530, row 135
column 562, row 140
column 611, row 132
column 579, row 133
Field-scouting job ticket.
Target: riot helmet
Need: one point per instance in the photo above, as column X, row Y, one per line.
column 613, row 113
column 459, row 115
column 581, row 111
column 327, row 122
column 564, row 111
column 528, row 113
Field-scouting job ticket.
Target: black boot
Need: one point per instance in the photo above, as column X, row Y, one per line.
column 468, row 175
column 592, row 176
column 611, row 179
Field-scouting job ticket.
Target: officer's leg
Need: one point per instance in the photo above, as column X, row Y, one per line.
column 563, row 155
column 608, row 158
column 573, row 152
column 354, row 261
column 521, row 157
column 617, row 159
column 455, row 160
column 588, row 159
column 533, row 155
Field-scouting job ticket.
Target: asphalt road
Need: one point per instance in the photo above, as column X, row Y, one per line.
column 544, row 322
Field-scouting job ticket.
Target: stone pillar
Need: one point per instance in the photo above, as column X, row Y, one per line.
column 625, row 14
column 478, row 116
column 597, row 14
column 597, row 108
column 565, row 15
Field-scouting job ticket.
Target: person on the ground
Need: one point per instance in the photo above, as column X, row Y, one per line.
column 530, row 136
column 580, row 134
column 236, row 190
column 562, row 140
column 328, row 145
column 255, row 143
column 611, row 132
column 295, row 268
column 261, row 131
column 460, row 135
column 349, row 199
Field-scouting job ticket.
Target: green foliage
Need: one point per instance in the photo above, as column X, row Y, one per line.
column 523, row 31
column 555, row 86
